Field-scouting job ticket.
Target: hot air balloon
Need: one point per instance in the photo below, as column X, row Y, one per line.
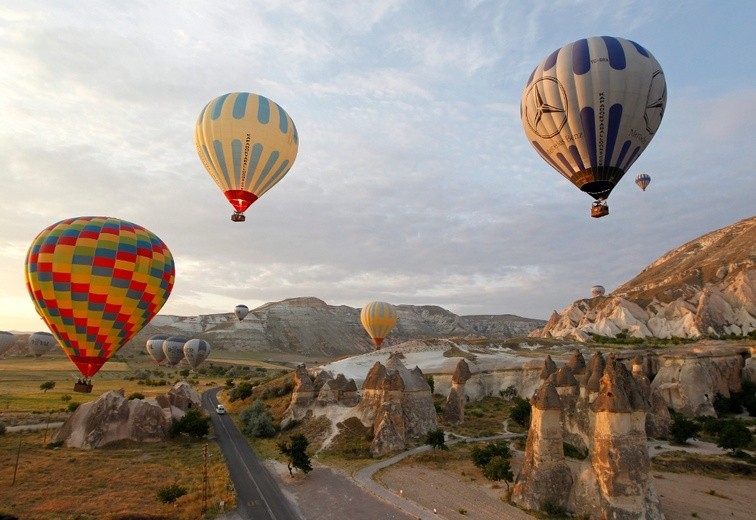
column 643, row 180
column 7, row 340
column 591, row 108
column 173, row 348
column 196, row 351
column 41, row 342
column 378, row 318
column 154, row 347
column 247, row 143
column 241, row 311
column 96, row 281
column 597, row 290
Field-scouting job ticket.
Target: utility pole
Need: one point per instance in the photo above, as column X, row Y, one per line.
column 204, row 480
column 15, row 469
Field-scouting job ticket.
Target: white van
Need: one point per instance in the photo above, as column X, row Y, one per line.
column 220, row 409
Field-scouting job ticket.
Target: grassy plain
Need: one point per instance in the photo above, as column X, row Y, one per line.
column 118, row 481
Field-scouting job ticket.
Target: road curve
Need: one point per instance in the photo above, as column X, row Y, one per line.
column 258, row 495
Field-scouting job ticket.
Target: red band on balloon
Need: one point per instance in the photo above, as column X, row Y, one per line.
column 240, row 199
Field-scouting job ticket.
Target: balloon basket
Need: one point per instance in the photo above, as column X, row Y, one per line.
column 238, row 217
column 84, row 388
column 599, row 209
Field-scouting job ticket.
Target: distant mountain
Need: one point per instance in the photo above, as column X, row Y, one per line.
column 309, row 326
column 705, row 287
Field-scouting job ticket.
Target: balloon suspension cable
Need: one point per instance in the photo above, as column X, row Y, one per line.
column 238, row 217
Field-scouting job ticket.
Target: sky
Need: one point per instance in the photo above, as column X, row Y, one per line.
column 414, row 182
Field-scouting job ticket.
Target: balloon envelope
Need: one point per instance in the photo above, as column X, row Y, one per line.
column 591, row 108
column 173, row 348
column 247, row 143
column 41, row 342
column 7, row 340
column 196, row 351
column 96, row 281
column 643, row 180
column 597, row 290
column 241, row 311
column 154, row 347
column 378, row 318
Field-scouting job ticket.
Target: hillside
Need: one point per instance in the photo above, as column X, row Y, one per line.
column 706, row 287
column 311, row 327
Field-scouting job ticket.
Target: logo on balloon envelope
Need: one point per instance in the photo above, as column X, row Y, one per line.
column 546, row 96
column 657, row 94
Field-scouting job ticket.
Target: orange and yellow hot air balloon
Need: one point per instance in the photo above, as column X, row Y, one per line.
column 378, row 318
column 96, row 281
column 247, row 144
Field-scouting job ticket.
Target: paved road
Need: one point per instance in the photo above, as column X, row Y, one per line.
column 258, row 496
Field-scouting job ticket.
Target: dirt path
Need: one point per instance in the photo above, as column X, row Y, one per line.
column 685, row 496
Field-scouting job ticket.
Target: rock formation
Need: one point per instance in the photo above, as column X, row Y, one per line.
column 111, row 417
column 324, row 391
column 454, row 411
column 706, row 287
column 609, row 424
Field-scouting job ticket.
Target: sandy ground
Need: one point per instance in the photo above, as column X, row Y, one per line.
column 329, row 494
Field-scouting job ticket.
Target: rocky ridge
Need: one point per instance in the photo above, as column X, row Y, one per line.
column 706, row 287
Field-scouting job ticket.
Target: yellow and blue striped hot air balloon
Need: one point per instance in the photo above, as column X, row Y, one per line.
column 96, row 281
column 643, row 180
column 378, row 318
column 247, row 143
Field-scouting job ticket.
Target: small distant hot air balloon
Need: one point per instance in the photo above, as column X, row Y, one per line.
column 378, row 318
column 247, row 143
column 196, row 351
column 96, row 282
column 154, row 347
column 41, row 342
column 597, row 290
column 643, row 180
column 241, row 311
column 591, row 108
column 173, row 348
column 7, row 340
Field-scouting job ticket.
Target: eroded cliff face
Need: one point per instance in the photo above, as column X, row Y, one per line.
column 706, row 287
column 609, row 423
column 111, row 417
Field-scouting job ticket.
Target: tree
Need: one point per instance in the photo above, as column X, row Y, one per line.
column 734, row 436
column 682, row 428
column 194, row 423
column 257, row 421
column 295, row 451
column 436, row 439
column 241, row 391
column 494, row 460
column 431, row 383
column 520, row 412
column 47, row 385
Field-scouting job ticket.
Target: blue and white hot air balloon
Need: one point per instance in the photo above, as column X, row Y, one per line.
column 591, row 108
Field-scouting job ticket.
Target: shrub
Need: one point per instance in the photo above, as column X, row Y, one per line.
column 169, row 494
column 520, row 412
column 734, row 436
column 241, row 391
column 481, row 456
column 682, row 428
column 508, row 393
column 2, row 428
column 726, row 405
column 194, row 423
column 65, row 398
column 256, row 421
column 72, row 407
column 431, row 383
column 436, row 439
column 136, row 395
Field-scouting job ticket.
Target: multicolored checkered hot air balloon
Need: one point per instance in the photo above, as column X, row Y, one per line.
column 591, row 108
column 247, row 143
column 96, row 281
column 378, row 318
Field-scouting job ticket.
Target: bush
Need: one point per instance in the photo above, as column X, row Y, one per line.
column 194, row 423
column 682, row 428
column 170, row 494
column 431, row 383
column 256, row 421
column 734, row 436
column 65, row 398
column 2, row 428
column 726, row 405
column 136, row 395
column 508, row 393
column 520, row 412
column 72, row 407
column 436, row 439
column 481, row 456
column 241, row 391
